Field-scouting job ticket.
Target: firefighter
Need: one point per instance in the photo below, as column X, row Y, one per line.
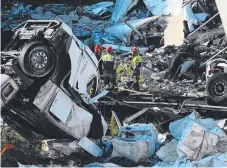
column 108, row 67
column 98, row 54
column 136, row 62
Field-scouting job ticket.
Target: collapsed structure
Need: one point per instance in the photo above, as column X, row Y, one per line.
column 48, row 73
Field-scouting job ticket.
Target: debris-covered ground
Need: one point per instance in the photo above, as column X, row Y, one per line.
column 177, row 117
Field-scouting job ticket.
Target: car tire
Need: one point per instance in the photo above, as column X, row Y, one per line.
column 36, row 60
column 216, row 89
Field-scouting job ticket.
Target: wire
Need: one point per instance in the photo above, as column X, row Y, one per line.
column 182, row 105
column 167, row 120
column 176, row 72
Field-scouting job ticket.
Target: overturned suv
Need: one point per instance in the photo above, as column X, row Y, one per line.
column 47, row 76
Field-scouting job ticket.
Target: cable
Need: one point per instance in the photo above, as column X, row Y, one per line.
column 182, row 105
column 176, row 72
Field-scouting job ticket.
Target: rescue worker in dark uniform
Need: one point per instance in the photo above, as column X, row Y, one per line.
column 136, row 61
column 108, row 67
column 98, row 54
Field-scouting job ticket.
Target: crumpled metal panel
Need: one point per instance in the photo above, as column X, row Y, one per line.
column 165, row 7
column 121, row 8
column 122, row 30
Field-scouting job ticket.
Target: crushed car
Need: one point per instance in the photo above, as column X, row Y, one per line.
column 48, row 77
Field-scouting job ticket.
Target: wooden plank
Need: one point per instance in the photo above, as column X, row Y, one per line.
column 136, row 115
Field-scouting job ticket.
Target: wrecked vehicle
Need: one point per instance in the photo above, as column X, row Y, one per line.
column 216, row 76
column 216, row 86
column 47, row 78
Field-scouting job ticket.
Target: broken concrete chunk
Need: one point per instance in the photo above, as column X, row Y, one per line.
column 168, row 152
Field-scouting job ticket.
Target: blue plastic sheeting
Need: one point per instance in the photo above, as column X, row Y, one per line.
column 19, row 10
column 136, row 142
column 110, row 39
column 176, row 128
column 148, row 131
column 27, row 166
column 121, row 8
column 122, row 30
column 99, row 8
column 59, row 9
column 193, row 19
column 186, row 65
column 101, row 165
column 162, row 164
column 217, row 160
column 97, row 37
column 165, row 7
column 103, row 93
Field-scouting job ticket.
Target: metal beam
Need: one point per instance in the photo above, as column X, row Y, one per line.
column 136, row 115
column 213, row 57
column 190, row 106
column 204, row 24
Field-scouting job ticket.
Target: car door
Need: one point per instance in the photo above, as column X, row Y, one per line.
column 84, row 67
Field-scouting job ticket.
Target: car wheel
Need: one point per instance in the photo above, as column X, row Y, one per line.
column 216, row 88
column 36, row 60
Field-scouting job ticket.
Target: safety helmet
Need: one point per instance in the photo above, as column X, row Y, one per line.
column 135, row 50
column 98, row 48
column 109, row 49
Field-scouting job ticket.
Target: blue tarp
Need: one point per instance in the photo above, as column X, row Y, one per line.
column 193, row 19
column 121, row 8
column 217, row 160
column 103, row 93
column 165, row 7
column 176, row 128
column 186, row 65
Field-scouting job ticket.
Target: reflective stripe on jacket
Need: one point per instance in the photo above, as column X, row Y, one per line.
column 107, row 57
column 108, row 62
column 136, row 60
